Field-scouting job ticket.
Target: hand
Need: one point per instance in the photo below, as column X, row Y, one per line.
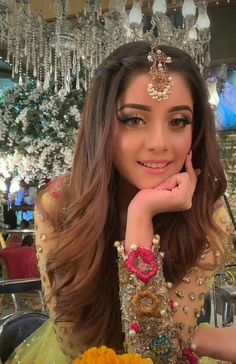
column 174, row 194
column 207, row 341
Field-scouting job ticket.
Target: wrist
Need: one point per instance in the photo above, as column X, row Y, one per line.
column 139, row 230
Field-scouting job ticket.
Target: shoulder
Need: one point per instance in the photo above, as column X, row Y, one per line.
column 51, row 195
column 221, row 215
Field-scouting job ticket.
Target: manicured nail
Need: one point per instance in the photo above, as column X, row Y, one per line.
column 190, row 154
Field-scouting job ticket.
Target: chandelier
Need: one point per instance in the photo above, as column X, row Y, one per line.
column 71, row 47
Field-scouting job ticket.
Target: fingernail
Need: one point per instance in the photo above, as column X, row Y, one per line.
column 190, row 154
column 198, row 171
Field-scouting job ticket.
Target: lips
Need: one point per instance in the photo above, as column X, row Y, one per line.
column 154, row 164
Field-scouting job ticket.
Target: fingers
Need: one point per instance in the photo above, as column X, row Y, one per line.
column 169, row 184
column 193, row 173
column 176, row 179
column 197, row 172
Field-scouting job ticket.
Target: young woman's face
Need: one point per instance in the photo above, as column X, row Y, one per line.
column 152, row 138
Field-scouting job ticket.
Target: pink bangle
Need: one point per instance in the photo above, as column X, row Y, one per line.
column 191, row 356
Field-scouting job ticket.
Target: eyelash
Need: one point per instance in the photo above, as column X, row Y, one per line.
column 184, row 121
column 132, row 121
column 129, row 120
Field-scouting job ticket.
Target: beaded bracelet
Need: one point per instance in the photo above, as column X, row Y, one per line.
column 147, row 312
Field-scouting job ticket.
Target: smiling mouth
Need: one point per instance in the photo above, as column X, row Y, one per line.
column 154, row 165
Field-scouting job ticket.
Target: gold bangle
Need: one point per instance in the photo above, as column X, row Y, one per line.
column 191, row 344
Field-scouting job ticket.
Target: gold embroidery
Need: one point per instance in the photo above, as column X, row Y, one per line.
column 179, row 293
column 200, row 281
column 186, row 309
column 42, row 237
column 146, row 303
column 192, row 296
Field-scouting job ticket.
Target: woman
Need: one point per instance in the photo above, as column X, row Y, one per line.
column 146, row 162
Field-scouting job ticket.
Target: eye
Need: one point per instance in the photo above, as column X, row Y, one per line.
column 132, row 120
column 179, row 122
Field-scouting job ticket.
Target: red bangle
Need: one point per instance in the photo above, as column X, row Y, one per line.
column 190, row 356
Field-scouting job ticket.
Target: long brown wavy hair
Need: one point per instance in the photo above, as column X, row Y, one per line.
column 83, row 270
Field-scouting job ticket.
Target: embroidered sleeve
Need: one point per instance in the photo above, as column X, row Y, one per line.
column 45, row 242
column 147, row 311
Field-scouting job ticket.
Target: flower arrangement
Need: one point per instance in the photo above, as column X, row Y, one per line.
column 104, row 355
column 37, row 131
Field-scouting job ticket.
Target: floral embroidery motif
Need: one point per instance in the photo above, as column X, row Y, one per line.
column 146, row 303
column 162, row 346
column 55, row 188
column 141, row 262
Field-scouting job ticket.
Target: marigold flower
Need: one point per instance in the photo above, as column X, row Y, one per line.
column 104, row 355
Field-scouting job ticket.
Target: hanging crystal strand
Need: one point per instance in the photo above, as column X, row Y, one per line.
column 88, row 48
column 27, row 69
column 50, row 60
column 27, row 37
column 8, row 39
column 55, row 73
column 91, row 63
column 17, row 47
column 20, row 73
column 45, row 58
column 39, row 74
column 13, row 69
column 65, row 7
column 74, row 63
column 46, row 68
column 77, row 71
column 100, row 52
column 97, row 55
column 41, row 41
column 2, row 36
column 59, row 16
column 34, row 54
column 27, row 31
column 68, row 74
column 62, row 73
column 85, row 79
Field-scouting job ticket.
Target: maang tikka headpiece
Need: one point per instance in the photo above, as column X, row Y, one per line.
column 161, row 82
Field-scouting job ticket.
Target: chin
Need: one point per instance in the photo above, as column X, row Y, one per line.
column 145, row 186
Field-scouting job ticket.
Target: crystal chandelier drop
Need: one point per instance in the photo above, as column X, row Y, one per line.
column 69, row 48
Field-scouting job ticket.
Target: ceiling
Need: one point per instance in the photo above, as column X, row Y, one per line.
column 47, row 7
column 222, row 14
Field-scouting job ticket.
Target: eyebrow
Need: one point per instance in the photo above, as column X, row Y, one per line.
column 148, row 108
column 135, row 106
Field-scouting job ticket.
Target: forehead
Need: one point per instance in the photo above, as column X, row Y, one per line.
column 136, row 91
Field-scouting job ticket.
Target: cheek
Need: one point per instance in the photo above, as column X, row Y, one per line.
column 122, row 144
column 119, row 149
column 184, row 146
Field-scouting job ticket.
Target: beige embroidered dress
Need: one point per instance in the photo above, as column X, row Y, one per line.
column 54, row 343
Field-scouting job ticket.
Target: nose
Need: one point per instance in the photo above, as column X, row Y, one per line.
column 156, row 138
